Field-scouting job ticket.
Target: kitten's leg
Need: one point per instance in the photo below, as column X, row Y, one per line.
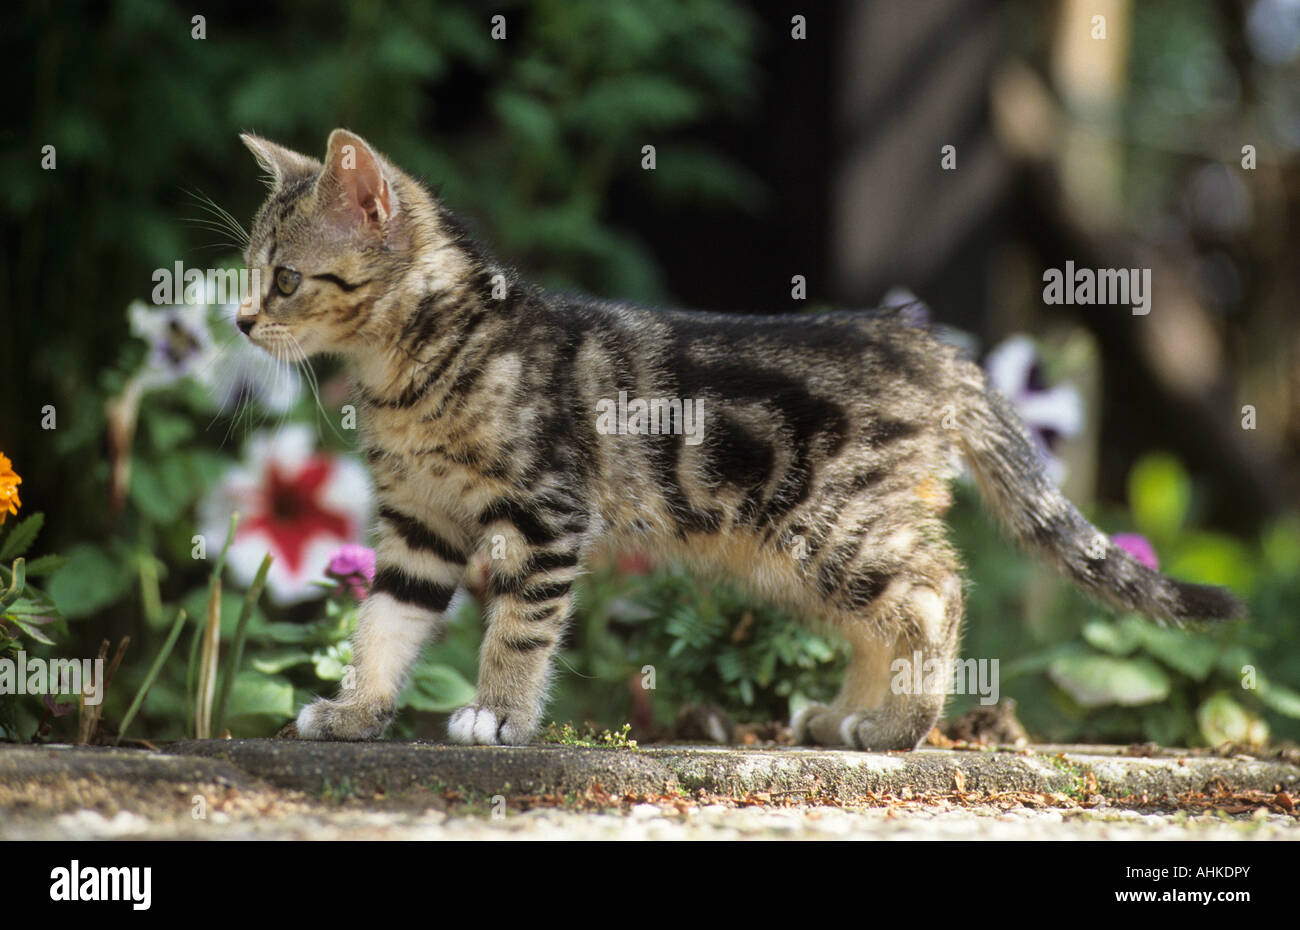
column 880, row 705
column 529, row 603
column 415, row 577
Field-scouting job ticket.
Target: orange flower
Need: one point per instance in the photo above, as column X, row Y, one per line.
column 9, row 481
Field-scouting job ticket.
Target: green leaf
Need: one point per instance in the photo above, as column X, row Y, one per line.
column 31, row 630
column 44, row 565
column 1095, row 681
column 1223, row 720
column 1213, row 558
column 276, row 662
column 532, row 121
column 1281, row 544
column 287, row 633
column 21, row 537
column 1117, row 639
column 26, row 606
column 437, row 689
column 152, row 491
column 89, row 581
column 17, row 582
column 1193, row 654
column 329, row 663
column 1160, row 494
column 1234, row 659
column 168, row 430
column 1278, row 698
column 255, row 694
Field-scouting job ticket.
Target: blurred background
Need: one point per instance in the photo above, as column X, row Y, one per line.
column 950, row 151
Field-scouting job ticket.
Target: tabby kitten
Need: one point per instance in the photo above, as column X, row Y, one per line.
column 491, row 416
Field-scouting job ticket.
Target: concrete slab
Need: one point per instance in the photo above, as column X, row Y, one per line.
column 278, row 789
column 840, row 775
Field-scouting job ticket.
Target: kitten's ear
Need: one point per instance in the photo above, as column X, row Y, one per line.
column 277, row 161
column 355, row 185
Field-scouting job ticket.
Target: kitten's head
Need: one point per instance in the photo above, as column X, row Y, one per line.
column 330, row 239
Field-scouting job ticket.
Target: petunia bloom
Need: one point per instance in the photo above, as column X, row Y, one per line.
column 1137, row 546
column 232, row 370
column 1014, row 369
column 354, row 566
column 297, row 503
column 180, row 344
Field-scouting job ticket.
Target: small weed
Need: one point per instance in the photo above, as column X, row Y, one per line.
column 566, row 735
column 339, row 793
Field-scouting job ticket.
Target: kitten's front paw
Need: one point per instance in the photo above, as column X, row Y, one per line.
column 801, row 722
column 487, row 726
column 325, row 719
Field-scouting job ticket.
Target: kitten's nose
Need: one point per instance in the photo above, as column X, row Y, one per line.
column 246, row 317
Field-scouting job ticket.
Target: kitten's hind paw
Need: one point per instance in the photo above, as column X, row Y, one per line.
column 878, row 731
column 334, row 720
column 490, row 726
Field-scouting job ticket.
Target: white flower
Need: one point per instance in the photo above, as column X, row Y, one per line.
column 179, row 342
column 1050, row 413
column 230, row 368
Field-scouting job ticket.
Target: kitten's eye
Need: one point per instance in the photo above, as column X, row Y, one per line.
column 286, row 281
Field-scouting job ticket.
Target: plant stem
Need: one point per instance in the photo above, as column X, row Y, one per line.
column 154, row 669
column 209, row 652
column 237, row 644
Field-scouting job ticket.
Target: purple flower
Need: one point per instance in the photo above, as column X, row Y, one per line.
column 1138, row 547
column 354, row 566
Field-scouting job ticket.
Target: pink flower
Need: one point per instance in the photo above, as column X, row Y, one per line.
column 1138, row 547
column 354, row 566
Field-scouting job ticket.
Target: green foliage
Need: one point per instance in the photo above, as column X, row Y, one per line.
column 29, row 617
column 1127, row 678
column 529, row 138
column 525, row 137
column 697, row 642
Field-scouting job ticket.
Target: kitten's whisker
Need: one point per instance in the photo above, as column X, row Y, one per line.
column 314, row 384
column 221, row 215
column 214, row 226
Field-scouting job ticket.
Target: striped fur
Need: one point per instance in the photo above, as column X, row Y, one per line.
column 819, row 478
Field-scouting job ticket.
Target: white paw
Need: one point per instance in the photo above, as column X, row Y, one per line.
column 483, row 726
column 325, row 719
column 309, row 721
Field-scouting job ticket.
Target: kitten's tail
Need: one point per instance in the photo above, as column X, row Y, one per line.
column 1011, row 478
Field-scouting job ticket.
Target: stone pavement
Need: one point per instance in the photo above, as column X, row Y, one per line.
column 291, row 789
